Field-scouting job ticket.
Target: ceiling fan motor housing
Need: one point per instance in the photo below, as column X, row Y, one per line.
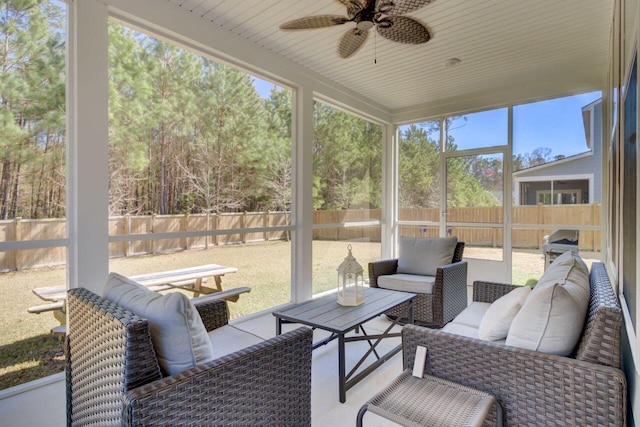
column 364, row 25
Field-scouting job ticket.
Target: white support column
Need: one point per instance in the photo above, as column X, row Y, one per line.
column 302, row 210
column 389, row 191
column 443, row 179
column 87, row 150
column 509, row 182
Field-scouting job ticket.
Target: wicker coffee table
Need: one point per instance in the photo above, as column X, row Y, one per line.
column 431, row 401
column 325, row 313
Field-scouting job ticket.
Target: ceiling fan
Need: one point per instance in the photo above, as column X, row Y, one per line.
column 385, row 15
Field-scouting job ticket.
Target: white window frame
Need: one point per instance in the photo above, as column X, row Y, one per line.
column 576, row 191
column 519, row 180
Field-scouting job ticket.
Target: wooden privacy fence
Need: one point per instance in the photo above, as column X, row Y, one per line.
column 21, row 230
column 27, row 229
column 147, row 224
column 523, row 216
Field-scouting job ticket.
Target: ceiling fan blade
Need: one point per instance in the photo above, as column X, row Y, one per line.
column 404, row 30
column 351, row 42
column 360, row 4
column 353, row 6
column 399, row 7
column 319, row 21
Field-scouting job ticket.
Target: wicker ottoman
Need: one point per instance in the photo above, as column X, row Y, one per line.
column 431, row 401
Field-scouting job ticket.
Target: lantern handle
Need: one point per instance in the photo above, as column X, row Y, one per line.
column 349, row 247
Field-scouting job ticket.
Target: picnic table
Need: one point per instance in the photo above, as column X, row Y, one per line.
column 191, row 279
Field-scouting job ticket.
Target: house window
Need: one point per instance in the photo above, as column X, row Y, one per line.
column 561, row 197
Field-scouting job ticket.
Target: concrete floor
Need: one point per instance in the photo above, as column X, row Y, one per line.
column 45, row 404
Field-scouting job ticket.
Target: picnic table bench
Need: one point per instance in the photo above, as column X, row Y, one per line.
column 191, row 279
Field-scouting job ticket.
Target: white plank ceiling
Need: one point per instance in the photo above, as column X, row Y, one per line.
column 553, row 46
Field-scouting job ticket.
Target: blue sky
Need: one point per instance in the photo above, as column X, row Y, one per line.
column 555, row 124
column 263, row 87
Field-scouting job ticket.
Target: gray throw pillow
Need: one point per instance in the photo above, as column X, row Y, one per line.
column 178, row 334
column 424, row 255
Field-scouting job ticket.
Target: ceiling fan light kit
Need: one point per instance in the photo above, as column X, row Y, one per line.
column 385, row 15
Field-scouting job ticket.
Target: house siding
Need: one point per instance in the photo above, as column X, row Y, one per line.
column 582, row 166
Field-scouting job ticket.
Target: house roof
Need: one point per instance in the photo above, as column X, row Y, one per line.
column 553, row 163
column 509, row 50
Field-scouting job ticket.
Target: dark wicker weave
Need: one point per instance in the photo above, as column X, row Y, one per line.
column 113, row 376
column 536, row 388
column 449, row 295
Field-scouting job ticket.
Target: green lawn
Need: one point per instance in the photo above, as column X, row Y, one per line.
column 28, row 351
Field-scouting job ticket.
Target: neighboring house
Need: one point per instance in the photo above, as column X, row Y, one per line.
column 571, row 180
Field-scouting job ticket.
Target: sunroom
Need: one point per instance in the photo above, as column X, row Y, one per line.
column 197, row 131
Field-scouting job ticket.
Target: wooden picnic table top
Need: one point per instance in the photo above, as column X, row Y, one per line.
column 154, row 281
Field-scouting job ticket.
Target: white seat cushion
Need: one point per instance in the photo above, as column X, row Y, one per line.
column 460, row 329
column 407, row 283
column 552, row 317
column 423, row 256
column 228, row 339
column 178, row 334
column 497, row 320
column 464, row 330
column 472, row 315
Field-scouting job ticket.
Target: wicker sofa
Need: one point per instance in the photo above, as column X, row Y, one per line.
column 536, row 388
column 447, row 298
column 113, row 375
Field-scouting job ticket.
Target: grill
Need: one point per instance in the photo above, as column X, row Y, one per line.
column 559, row 242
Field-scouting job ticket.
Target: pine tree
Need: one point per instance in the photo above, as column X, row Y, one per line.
column 347, row 160
column 31, row 108
column 129, row 99
column 229, row 142
column 419, row 169
column 279, row 173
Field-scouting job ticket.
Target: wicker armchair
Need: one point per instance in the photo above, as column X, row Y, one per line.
column 449, row 296
column 536, row 388
column 113, row 377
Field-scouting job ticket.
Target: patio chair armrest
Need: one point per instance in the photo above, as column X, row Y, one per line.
column 490, row 291
column 213, row 312
column 451, row 281
column 534, row 388
column 265, row 384
column 381, row 268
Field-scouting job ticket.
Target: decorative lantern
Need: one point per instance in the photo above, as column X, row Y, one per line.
column 350, row 281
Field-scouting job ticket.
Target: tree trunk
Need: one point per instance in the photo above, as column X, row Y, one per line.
column 5, row 188
column 16, row 193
